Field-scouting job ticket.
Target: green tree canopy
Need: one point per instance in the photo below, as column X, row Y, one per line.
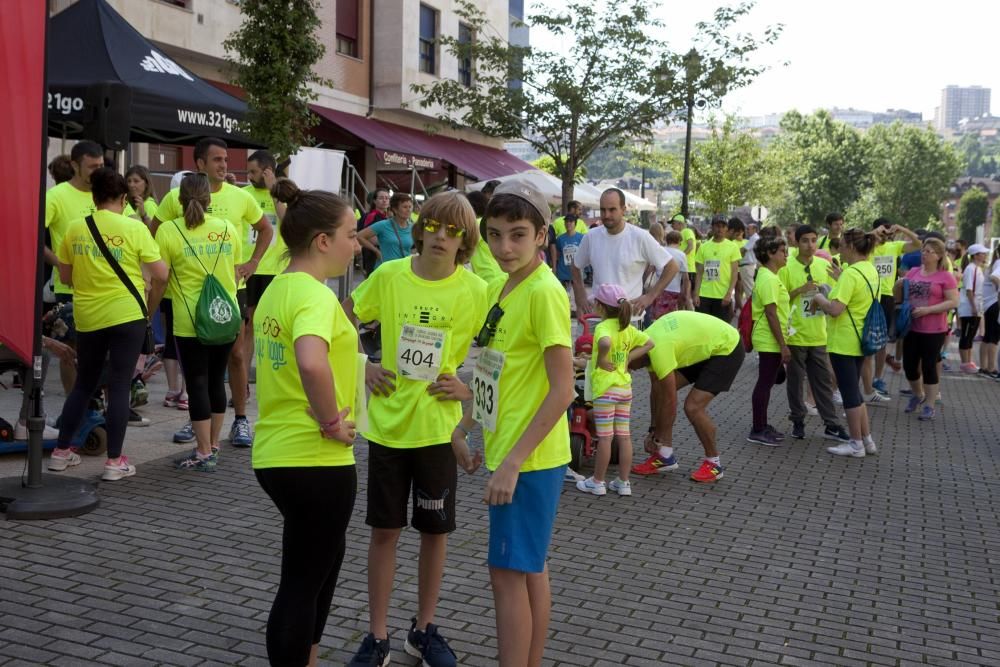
column 824, row 162
column 616, row 82
column 972, row 208
column 273, row 53
column 910, row 170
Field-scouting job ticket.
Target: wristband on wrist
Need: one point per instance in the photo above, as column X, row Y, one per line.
column 463, row 429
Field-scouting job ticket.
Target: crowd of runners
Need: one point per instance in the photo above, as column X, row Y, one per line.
column 468, row 307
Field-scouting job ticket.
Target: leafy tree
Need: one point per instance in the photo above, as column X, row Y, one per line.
column 616, row 82
column 824, row 163
column 996, row 218
column 273, row 53
column 547, row 164
column 910, row 170
column 972, row 208
column 729, row 169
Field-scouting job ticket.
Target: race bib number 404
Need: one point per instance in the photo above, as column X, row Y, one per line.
column 419, row 351
column 486, row 388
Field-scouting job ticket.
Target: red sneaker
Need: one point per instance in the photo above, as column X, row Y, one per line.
column 655, row 464
column 708, row 472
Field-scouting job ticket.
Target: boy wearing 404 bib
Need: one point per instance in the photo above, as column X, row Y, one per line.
column 429, row 307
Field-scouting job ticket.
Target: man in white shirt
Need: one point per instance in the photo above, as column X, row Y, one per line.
column 619, row 253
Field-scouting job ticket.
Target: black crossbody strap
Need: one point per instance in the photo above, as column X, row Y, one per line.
column 115, row 266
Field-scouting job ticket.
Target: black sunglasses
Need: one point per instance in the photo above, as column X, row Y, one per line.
column 486, row 334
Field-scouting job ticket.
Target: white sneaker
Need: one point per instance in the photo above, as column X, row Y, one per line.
column 621, row 487
column 60, row 459
column 590, row 486
column 876, row 398
column 847, row 449
column 871, row 449
column 572, row 476
column 21, row 432
column 115, row 471
column 811, row 410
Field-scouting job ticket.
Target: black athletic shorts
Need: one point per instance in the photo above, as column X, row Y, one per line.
column 716, row 374
column 241, row 301
column 256, row 284
column 427, row 474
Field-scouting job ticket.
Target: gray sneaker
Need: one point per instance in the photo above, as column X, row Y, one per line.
column 765, row 438
column 185, row 435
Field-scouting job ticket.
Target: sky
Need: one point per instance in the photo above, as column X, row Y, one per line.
column 864, row 54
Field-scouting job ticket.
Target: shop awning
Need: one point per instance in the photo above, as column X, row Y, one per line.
column 406, row 147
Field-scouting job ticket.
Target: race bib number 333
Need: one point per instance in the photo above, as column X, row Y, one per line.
column 486, row 388
column 419, row 351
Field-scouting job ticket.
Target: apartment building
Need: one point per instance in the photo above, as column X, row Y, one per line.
column 376, row 50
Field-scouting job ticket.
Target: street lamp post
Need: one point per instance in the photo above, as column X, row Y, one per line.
column 687, row 155
column 695, row 80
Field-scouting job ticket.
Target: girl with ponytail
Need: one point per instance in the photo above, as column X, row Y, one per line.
column 615, row 340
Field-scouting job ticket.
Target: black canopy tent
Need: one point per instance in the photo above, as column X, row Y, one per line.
column 103, row 76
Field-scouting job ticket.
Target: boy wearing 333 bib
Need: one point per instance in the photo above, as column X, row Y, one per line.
column 429, row 307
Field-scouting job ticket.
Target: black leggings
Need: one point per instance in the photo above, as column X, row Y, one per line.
column 204, row 369
column 921, row 354
column 169, row 344
column 767, row 375
column 123, row 342
column 969, row 326
column 316, row 504
column 847, row 368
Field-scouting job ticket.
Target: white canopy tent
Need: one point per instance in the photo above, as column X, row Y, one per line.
column 550, row 186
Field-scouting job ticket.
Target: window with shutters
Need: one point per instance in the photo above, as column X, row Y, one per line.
column 428, row 39
column 465, row 38
column 347, row 27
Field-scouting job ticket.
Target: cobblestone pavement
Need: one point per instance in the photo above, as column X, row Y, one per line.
column 794, row 558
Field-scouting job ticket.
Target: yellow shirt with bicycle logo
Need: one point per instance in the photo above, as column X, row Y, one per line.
column 100, row 300
column 296, row 305
column 187, row 273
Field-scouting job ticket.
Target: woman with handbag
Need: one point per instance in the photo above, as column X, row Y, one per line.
column 932, row 292
column 200, row 251
column 103, row 257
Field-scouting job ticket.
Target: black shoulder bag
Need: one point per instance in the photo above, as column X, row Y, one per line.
column 148, row 345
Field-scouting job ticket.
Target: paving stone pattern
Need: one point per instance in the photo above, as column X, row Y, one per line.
column 794, row 558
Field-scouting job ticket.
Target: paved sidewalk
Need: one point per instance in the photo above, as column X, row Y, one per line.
column 795, row 558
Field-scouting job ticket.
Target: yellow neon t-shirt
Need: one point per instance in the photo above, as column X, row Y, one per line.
column 687, row 234
column 843, row 332
column 395, row 296
column 536, row 317
column 808, row 323
column 559, row 226
column 229, row 203
column 64, row 204
column 623, row 341
column 274, row 260
column 100, row 300
column 188, row 271
column 296, row 305
column 768, row 289
column 684, row 338
column 884, row 260
column 717, row 258
column 484, row 264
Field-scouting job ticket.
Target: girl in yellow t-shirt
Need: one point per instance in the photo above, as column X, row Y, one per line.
column 611, row 387
column 769, row 309
column 855, row 292
column 308, row 389
column 140, row 193
column 109, row 320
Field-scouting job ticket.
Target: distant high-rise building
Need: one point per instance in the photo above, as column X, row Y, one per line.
column 959, row 102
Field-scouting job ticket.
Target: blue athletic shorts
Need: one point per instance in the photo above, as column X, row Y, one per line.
column 521, row 531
